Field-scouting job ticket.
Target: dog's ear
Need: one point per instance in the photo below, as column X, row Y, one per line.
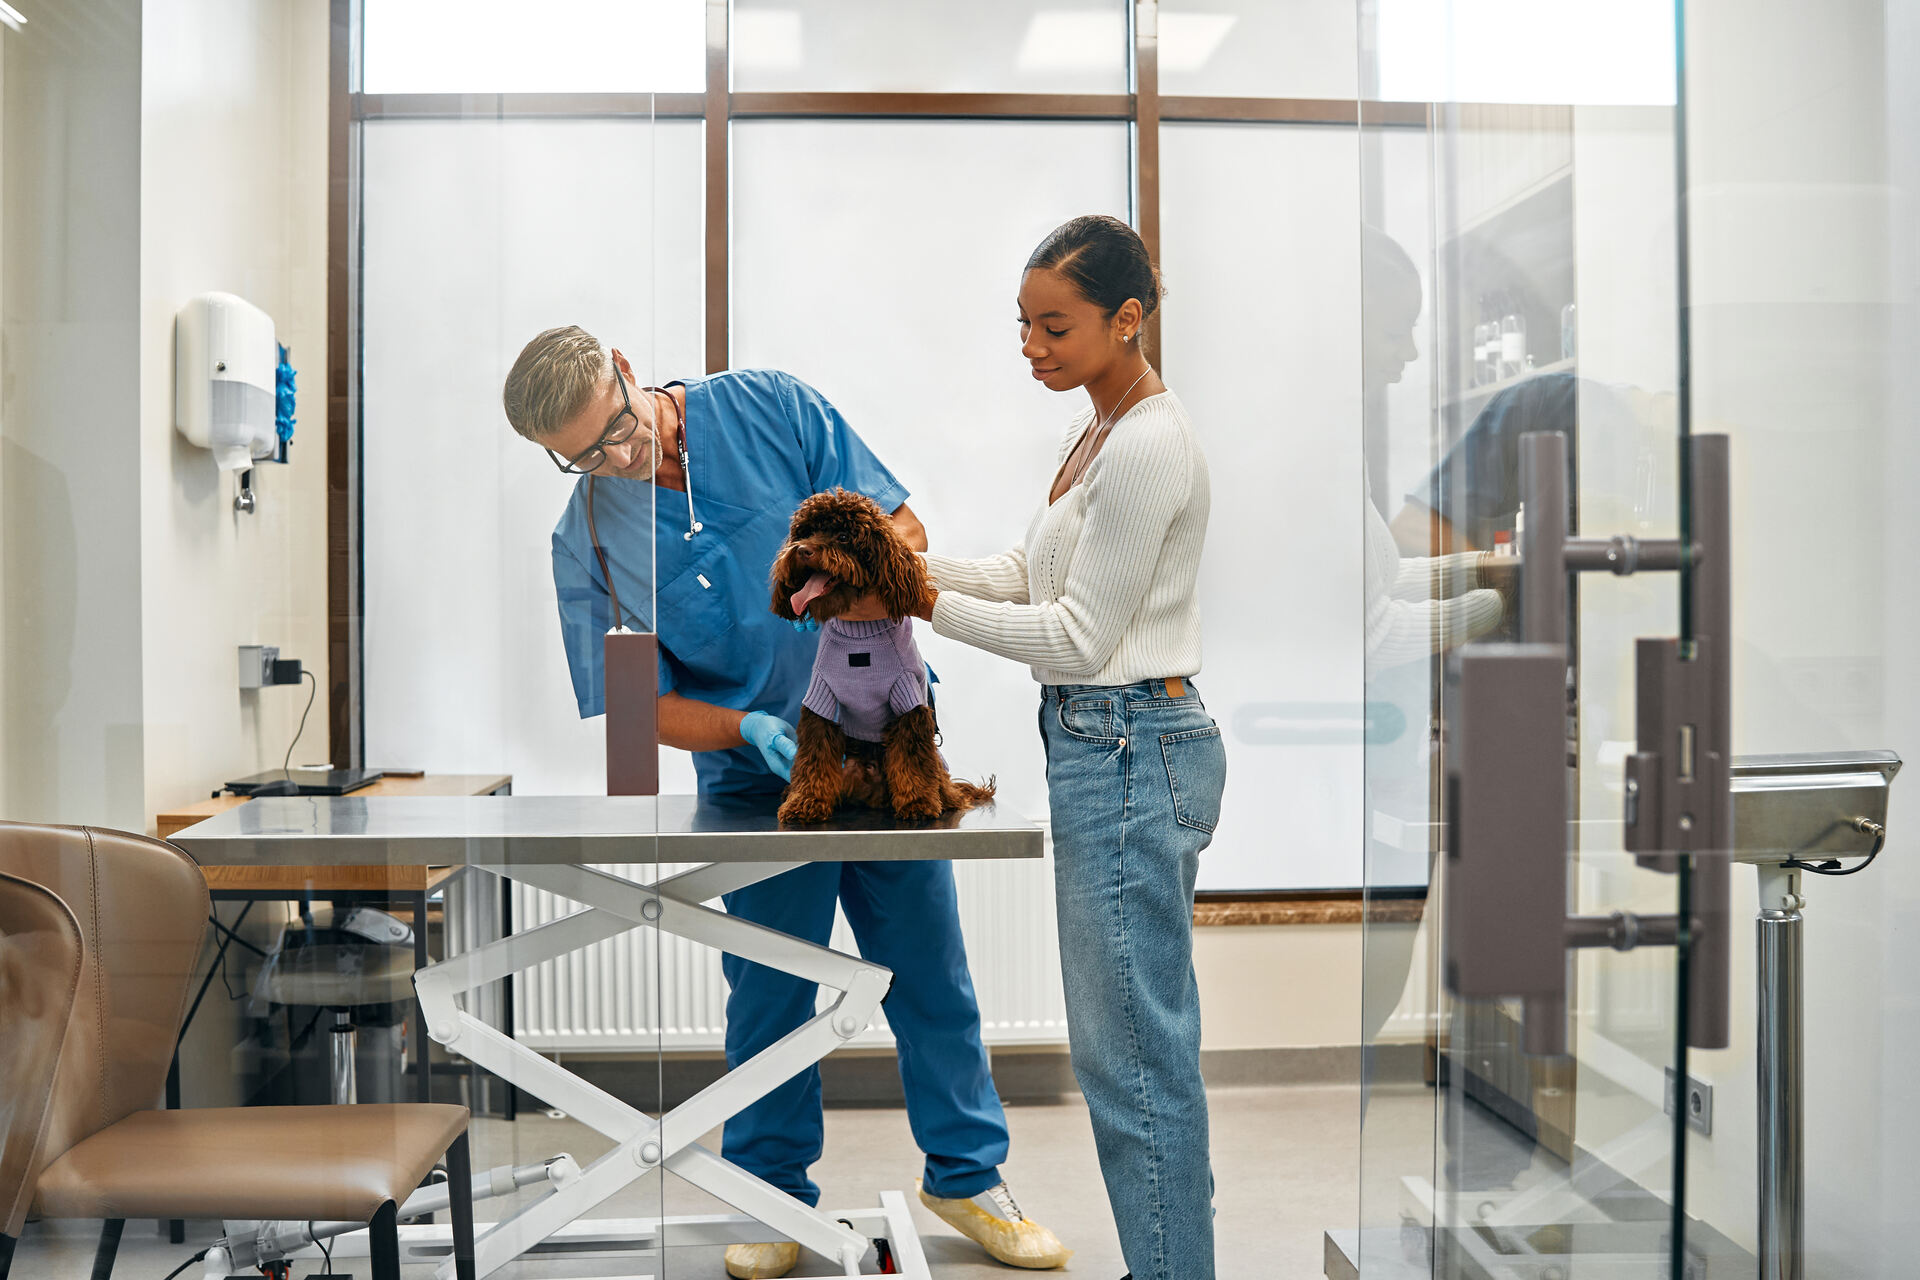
column 900, row 576
column 782, row 598
column 782, row 594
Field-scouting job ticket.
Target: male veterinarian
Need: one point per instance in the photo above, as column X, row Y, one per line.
column 740, row 451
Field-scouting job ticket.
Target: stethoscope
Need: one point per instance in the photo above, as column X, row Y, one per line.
column 686, row 466
column 693, row 524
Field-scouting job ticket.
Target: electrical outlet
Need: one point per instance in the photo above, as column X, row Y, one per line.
column 256, row 665
column 1699, row 1105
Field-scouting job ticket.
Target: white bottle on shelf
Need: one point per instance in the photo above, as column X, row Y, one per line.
column 1513, row 343
column 1484, row 335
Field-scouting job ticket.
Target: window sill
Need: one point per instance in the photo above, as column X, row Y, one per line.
column 1337, row 906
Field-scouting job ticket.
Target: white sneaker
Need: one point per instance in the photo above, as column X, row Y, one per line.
column 762, row 1261
column 993, row 1221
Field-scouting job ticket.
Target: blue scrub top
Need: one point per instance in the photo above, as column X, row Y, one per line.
column 759, row 443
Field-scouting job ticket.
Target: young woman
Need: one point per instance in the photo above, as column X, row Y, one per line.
column 1100, row 600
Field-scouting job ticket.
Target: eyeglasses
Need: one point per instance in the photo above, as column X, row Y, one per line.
column 619, row 431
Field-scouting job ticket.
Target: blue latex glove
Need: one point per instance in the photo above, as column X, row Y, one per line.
column 774, row 737
column 805, row 622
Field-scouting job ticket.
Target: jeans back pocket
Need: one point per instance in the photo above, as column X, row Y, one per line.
column 1197, row 774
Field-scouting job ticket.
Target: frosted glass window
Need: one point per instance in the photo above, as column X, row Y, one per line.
column 1257, row 48
column 986, row 46
column 556, row 46
column 478, row 236
column 1261, row 259
column 892, row 289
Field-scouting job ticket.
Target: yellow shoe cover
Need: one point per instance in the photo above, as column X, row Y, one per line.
column 761, row 1261
column 1010, row 1236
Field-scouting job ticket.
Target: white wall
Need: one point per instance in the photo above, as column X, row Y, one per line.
column 232, row 198
column 152, row 153
column 1281, row 986
column 71, row 672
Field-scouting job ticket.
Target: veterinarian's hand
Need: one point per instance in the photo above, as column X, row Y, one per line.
column 774, row 737
column 806, row 622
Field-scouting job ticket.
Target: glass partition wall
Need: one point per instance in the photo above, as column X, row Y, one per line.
column 474, row 231
column 1519, row 285
column 1660, row 232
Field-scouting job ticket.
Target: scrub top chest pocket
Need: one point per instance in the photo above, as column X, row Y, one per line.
column 695, row 615
column 717, row 595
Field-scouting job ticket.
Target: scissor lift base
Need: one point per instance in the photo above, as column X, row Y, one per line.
column 618, row 1247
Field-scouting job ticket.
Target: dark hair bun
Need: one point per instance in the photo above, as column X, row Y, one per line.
column 1105, row 259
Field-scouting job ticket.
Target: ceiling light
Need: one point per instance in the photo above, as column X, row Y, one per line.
column 1074, row 40
column 766, row 39
column 12, row 16
column 1189, row 40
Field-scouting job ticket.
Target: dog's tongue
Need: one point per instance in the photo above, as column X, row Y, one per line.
column 816, row 587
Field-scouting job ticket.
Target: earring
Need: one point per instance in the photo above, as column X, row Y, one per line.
column 1127, row 338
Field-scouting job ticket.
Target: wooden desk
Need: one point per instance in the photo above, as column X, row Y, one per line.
column 386, row 885
column 297, row 880
column 432, row 784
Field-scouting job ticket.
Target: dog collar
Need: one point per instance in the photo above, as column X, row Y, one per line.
column 864, row 630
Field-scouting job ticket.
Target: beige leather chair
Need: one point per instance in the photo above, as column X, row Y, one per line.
column 39, row 973
column 142, row 910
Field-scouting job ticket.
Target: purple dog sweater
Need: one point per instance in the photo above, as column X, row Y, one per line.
column 865, row 674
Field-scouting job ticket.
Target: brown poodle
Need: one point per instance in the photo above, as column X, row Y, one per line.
column 867, row 732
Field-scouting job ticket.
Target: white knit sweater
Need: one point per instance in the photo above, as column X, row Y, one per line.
column 1419, row 606
column 1103, row 591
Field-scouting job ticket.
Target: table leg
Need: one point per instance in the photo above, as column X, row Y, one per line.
column 422, row 1047
column 176, row 1227
column 512, row 1104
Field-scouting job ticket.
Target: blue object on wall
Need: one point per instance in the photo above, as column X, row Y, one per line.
column 283, row 402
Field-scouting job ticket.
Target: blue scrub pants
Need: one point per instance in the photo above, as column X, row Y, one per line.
column 906, row 916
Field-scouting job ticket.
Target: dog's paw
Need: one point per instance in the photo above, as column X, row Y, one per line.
column 805, row 811
column 916, row 808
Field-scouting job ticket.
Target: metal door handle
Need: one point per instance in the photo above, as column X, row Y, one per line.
column 1507, row 798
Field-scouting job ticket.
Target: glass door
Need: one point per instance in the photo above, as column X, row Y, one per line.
column 1526, row 990
column 1804, row 138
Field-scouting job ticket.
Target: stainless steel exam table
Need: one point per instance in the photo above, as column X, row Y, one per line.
column 554, row 843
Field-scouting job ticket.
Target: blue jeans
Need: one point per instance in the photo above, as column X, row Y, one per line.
column 1134, row 776
column 906, row 916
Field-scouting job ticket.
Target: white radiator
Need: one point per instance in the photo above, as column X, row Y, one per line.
column 642, row 990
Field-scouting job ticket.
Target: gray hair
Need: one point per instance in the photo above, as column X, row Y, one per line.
column 554, row 378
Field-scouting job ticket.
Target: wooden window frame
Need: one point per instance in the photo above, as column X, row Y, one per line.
column 1143, row 109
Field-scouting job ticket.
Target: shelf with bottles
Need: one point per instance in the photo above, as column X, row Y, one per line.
column 1488, row 390
column 1510, row 280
